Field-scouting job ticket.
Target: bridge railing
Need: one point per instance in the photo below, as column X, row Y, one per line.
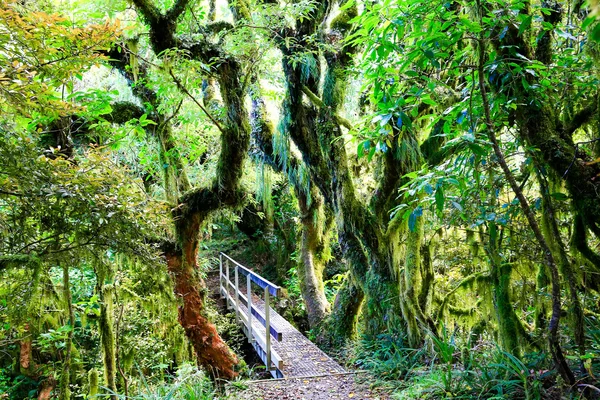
column 261, row 340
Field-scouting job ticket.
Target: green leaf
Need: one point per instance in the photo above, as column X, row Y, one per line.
column 412, row 218
column 439, row 200
column 525, row 24
column 559, row 196
column 595, row 33
column 457, row 206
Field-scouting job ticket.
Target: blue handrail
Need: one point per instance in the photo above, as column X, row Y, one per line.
column 259, row 280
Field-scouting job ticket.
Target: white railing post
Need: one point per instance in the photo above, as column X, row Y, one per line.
column 237, row 296
column 221, row 294
column 227, row 283
column 249, row 296
column 268, row 328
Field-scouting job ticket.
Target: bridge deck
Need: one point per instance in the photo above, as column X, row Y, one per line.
column 300, row 356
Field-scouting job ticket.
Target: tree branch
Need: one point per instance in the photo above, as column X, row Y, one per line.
column 187, row 93
column 582, row 117
column 177, row 9
column 319, row 103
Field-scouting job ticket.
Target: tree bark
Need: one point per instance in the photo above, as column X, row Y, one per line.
column 314, row 250
column 213, row 354
column 65, row 378
column 105, row 288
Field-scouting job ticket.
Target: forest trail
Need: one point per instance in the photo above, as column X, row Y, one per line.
column 332, row 387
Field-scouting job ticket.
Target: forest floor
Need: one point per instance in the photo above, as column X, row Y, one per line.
column 333, row 387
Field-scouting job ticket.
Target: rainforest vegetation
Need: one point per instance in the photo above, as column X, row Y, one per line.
column 422, row 177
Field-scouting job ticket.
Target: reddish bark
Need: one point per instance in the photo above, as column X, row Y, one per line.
column 46, row 388
column 25, row 356
column 212, row 352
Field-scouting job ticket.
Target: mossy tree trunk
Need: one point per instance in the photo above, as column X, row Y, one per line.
column 65, row 379
column 341, row 325
column 316, row 220
column 552, row 233
column 105, row 288
column 553, row 337
column 366, row 239
column 316, row 227
column 196, row 204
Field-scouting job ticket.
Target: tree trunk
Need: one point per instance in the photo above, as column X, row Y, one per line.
column 65, row 391
column 213, row 354
column 553, row 339
column 342, row 322
column 314, row 250
column 552, row 233
column 26, row 364
column 105, row 288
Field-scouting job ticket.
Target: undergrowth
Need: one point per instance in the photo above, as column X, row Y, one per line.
column 189, row 384
column 446, row 369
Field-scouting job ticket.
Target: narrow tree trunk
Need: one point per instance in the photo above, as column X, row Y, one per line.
column 65, row 391
column 557, row 354
column 104, row 288
column 25, row 356
column 411, row 286
column 550, row 229
column 46, row 388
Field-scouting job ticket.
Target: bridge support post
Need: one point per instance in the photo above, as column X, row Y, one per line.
column 268, row 328
column 249, row 297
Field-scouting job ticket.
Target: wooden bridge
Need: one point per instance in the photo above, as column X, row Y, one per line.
column 284, row 350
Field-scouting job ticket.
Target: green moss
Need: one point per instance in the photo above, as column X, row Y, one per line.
column 341, row 326
column 92, row 383
column 105, row 289
column 508, row 323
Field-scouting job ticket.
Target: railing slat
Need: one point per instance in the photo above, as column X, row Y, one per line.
column 249, row 305
column 221, row 275
column 268, row 328
column 237, row 295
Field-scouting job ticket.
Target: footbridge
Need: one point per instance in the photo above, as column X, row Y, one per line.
column 284, row 350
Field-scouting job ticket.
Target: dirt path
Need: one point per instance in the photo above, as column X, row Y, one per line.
column 322, row 388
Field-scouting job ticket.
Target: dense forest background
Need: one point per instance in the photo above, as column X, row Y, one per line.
column 423, row 177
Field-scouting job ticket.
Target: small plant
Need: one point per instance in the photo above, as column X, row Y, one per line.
column 445, row 348
column 189, row 384
column 387, row 357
